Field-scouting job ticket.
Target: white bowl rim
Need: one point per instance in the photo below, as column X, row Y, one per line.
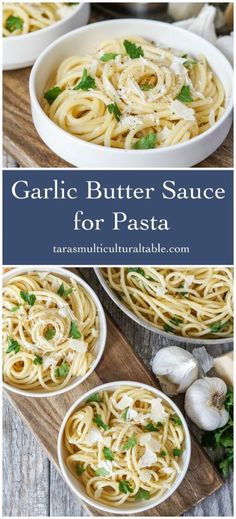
column 102, row 335
column 88, row 144
column 33, row 34
column 178, row 480
column 149, row 326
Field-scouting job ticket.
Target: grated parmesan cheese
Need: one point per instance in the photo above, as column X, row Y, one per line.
column 183, row 112
column 158, row 413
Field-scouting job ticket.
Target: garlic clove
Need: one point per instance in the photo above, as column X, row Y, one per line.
column 175, row 368
column 204, row 403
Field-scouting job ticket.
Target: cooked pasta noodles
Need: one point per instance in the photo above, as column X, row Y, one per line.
column 22, row 18
column 124, row 446
column 50, row 329
column 134, row 94
column 192, row 302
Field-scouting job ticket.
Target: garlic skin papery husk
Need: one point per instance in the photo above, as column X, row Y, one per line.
column 175, row 368
column 204, row 403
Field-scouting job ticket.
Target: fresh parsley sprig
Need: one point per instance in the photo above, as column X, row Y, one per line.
column 133, row 50
column 86, row 82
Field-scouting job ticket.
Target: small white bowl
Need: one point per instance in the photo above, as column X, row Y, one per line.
column 150, row 326
column 99, row 346
column 22, row 51
column 126, row 508
column 87, row 155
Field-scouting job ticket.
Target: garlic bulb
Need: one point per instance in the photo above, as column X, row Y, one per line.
column 175, row 368
column 183, row 10
column 204, row 403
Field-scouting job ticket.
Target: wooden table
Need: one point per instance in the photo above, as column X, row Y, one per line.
column 33, row 487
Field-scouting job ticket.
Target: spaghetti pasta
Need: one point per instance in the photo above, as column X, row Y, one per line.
column 50, row 329
column 23, row 18
column 124, row 445
column 134, row 94
column 192, row 302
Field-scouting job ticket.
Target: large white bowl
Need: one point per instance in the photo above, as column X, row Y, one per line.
column 99, row 346
column 86, row 155
column 22, row 51
column 126, row 508
column 150, row 326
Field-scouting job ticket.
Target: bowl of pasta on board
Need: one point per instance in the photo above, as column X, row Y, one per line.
column 124, row 447
column 53, row 331
column 134, row 93
column 188, row 304
column 28, row 28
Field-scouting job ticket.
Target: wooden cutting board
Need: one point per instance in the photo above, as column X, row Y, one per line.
column 44, row 417
column 22, row 142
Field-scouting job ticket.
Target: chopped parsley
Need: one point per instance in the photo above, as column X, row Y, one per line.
column 98, row 421
column 184, row 96
column 130, row 443
column 79, row 469
column 138, row 270
column 176, row 419
column 108, row 56
column 125, row 487
column 95, row 397
column 52, row 94
column 14, row 23
column 163, row 454
column 62, row 292
column 150, row 427
column 108, row 454
column 177, row 452
column 175, row 320
column 102, row 472
column 145, row 87
column 124, row 414
column 189, row 61
column 15, row 308
column 86, row 82
column 113, row 109
column 74, row 331
column 28, row 298
column 13, row 346
column 133, row 50
column 142, row 494
column 38, row 360
column 62, row 370
column 146, row 143
column 216, row 327
column 167, row 328
column 183, row 294
column 49, row 333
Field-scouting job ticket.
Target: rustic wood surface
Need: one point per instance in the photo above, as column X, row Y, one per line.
column 33, row 487
column 20, row 138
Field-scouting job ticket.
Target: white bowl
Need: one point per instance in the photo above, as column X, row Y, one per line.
column 130, row 508
column 22, row 51
column 99, row 346
column 87, row 155
column 150, row 326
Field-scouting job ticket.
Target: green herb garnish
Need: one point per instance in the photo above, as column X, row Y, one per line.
column 189, row 61
column 137, row 269
column 125, row 487
column 150, row 427
column 101, row 472
column 133, row 50
column 184, row 96
column 124, row 414
column 86, row 82
column 142, row 494
column 98, row 420
column 13, row 346
column 38, row 360
column 14, row 23
column 130, row 443
column 74, row 331
column 176, row 321
column 113, row 109
column 177, row 452
column 216, row 327
column 49, row 333
column 28, row 298
column 108, row 454
column 163, row 454
column 108, row 56
column 15, row 308
column 95, row 397
column 79, row 469
column 183, row 294
column 167, row 328
column 176, row 419
column 52, row 94
column 62, row 292
column 145, row 87
column 62, row 370
column 146, row 143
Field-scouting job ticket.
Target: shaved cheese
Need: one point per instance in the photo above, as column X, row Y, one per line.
column 166, row 470
column 145, row 476
column 164, row 134
column 132, row 415
column 106, row 465
column 158, row 413
column 212, row 117
column 93, row 436
column 148, row 459
column 42, row 275
column 160, row 291
column 177, row 66
column 108, row 86
column 62, row 312
column 107, row 441
column 150, row 442
column 132, row 121
column 49, row 362
column 133, row 86
column 79, row 346
column 125, row 401
column 182, row 111
column 188, row 282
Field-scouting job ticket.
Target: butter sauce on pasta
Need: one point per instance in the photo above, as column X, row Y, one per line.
column 133, row 94
column 192, row 302
column 125, row 445
column 22, row 18
column 50, row 328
